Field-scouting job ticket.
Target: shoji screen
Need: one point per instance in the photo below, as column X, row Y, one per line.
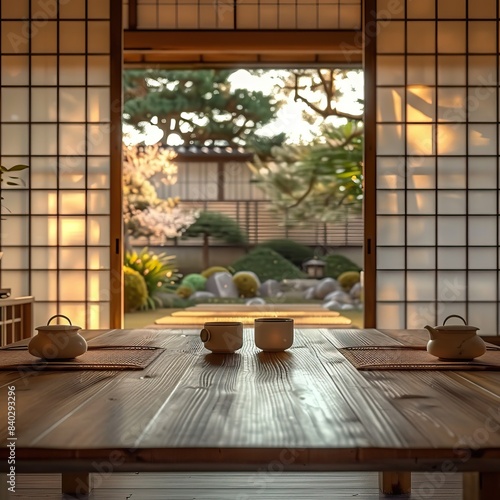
column 246, row 14
column 56, row 116
column 436, row 160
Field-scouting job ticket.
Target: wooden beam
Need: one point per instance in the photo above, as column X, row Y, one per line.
column 76, row 484
column 481, row 485
column 346, row 43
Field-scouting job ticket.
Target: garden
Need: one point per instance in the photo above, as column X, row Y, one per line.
column 308, row 179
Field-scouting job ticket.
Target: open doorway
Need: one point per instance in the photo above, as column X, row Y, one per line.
column 254, row 172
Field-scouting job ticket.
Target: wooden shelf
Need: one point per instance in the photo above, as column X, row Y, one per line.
column 16, row 319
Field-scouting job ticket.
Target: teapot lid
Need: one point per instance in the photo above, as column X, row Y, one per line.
column 55, row 328
column 460, row 328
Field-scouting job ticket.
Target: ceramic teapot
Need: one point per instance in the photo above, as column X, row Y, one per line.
column 57, row 341
column 455, row 342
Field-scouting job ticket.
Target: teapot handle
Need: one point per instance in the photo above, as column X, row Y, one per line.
column 59, row 316
column 454, row 316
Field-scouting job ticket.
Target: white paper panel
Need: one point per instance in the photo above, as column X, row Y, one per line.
column 483, row 258
column 98, row 315
column 420, row 314
column 451, row 70
column 451, row 37
column 482, row 139
column 390, row 315
column 483, row 230
column 43, row 258
column 43, row 104
column 98, row 173
column 421, row 230
column 391, row 202
column 451, row 230
column 98, row 258
column 448, row 308
column 98, row 285
column 482, row 172
column 420, row 285
column 15, row 231
column 390, row 140
column 72, row 70
column 72, row 37
column 485, row 9
column 390, row 106
column 98, row 37
column 71, row 104
column 43, row 231
column 72, row 202
column 391, row 36
column 451, row 139
column 451, row 104
column 482, row 104
column 421, row 172
column 74, row 9
column 15, row 104
column 451, row 286
column 44, row 140
column 482, row 36
column 76, row 311
column 98, row 230
column 483, row 202
column 482, row 285
column 391, row 258
column 72, row 285
column 391, row 9
column 421, row 104
column 421, row 202
column 390, row 230
column 14, row 70
column 15, row 139
column 420, row 70
column 421, row 37
column 421, row 258
column 46, row 38
column 44, row 285
column 484, row 317
column 420, row 140
column 390, row 70
column 72, row 258
column 391, row 173
column 72, row 231
column 424, row 9
column 452, row 173
column 390, row 285
column 18, row 282
column 482, row 70
column 15, row 10
column 350, row 17
column 98, row 105
column 15, row 258
column 98, row 202
column 71, row 172
column 451, row 202
column 44, row 202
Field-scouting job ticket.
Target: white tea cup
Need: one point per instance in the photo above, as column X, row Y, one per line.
column 222, row 336
column 273, row 334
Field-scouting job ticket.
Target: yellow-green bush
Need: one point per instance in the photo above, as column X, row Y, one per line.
column 136, row 292
column 184, row 291
column 246, row 283
column 196, row 281
column 348, row 279
column 212, row 270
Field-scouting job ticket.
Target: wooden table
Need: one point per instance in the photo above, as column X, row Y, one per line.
column 304, row 409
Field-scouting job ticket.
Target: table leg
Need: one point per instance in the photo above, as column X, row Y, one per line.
column 395, row 483
column 481, row 485
column 77, row 484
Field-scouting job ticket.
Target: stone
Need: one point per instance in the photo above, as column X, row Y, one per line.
column 270, row 288
column 332, row 305
column 255, row 301
column 356, row 291
column 324, row 287
column 347, row 307
column 202, row 295
column 221, row 285
column 299, row 284
column 309, row 293
column 339, row 296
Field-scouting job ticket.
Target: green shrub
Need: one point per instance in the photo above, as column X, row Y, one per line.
column 295, row 252
column 338, row 264
column 158, row 270
column 184, row 291
column 136, row 293
column 348, row 279
column 195, row 281
column 212, row 270
column 267, row 264
column 246, row 283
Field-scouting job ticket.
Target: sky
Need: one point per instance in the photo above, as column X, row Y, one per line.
column 289, row 117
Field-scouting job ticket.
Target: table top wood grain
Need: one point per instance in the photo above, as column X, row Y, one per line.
column 306, row 408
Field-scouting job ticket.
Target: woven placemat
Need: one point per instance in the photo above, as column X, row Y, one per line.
column 96, row 358
column 413, row 358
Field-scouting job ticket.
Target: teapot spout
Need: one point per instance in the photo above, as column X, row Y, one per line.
column 432, row 332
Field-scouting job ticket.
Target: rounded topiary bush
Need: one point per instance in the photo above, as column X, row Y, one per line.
column 184, row 291
column 195, row 281
column 247, row 284
column 295, row 252
column 348, row 279
column 268, row 264
column 136, row 292
column 212, row 270
column 338, row 264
